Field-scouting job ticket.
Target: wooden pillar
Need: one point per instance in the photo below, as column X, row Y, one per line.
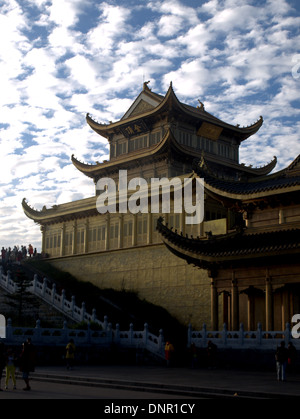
column 134, row 230
column 107, row 231
column 214, row 305
column 225, row 297
column 251, row 310
column 121, row 231
column 74, row 242
column 149, row 228
column 234, row 304
column 285, row 309
column 269, row 305
column 43, row 230
column 62, row 240
column 86, row 237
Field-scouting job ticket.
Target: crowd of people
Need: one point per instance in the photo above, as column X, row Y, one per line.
column 17, row 253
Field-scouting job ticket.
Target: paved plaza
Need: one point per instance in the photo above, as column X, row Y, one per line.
column 119, row 382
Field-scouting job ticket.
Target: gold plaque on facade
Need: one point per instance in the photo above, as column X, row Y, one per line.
column 209, row 131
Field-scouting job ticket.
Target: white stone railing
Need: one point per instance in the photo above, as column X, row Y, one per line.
column 51, row 297
column 257, row 339
column 56, row 336
column 140, row 339
column 103, row 337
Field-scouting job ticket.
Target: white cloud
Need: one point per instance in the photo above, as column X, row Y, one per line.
column 60, row 59
column 112, row 26
column 64, row 13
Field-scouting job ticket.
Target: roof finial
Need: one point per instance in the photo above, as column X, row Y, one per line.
column 145, row 85
column 201, row 107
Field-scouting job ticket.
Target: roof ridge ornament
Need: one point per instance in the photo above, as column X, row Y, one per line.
column 201, row 107
column 145, row 85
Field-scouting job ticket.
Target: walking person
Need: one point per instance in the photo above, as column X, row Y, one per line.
column 169, row 351
column 70, row 354
column 27, row 362
column 10, row 369
column 281, row 357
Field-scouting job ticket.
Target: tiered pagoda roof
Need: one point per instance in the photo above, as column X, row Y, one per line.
column 243, row 243
column 242, row 191
column 150, row 107
column 169, row 104
column 224, row 249
column 167, row 145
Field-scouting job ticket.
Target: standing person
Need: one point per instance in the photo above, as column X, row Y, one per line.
column 10, row 369
column 70, row 354
column 27, row 362
column 30, row 250
column 2, row 361
column 3, row 255
column 281, row 357
column 169, row 351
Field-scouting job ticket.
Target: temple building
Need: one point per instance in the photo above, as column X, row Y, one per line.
column 255, row 268
column 160, row 137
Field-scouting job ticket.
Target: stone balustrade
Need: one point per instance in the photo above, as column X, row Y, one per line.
column 257, row 339
column 51, row 297
column 103, row 337
column 241, row 339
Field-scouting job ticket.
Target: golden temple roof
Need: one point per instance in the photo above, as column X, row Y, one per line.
column 169, row 104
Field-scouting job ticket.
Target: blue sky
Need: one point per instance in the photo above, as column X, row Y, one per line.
column 60, row 59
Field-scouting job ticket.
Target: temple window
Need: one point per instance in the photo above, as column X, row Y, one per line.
column 114, row 234
column 80, row 240
column 68, row 242
column 155, row 138
column 224, row 150
column 137, row 143
column 127, row 232
column 142, row 225
column 185, row 138
column 122, row 148
column 97, row 237
column 53, row 243
column 155, row 235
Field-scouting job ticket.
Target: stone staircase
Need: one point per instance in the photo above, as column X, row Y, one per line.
column 58, row 303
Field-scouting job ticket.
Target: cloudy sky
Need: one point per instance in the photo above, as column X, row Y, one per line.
column 60, row 59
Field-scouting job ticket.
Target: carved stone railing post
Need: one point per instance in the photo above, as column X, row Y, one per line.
column 190, row 331
column 146, row 331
